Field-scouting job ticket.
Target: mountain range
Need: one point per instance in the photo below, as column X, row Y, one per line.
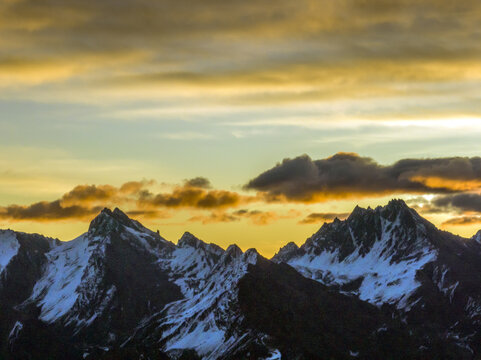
column 383, row 284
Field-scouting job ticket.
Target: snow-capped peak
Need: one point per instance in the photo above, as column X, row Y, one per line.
column 188, row 239
column 108, row 221
column 75, row 269
column 250, row 256
column 233, row 251
column 203, row 319
column 379, row 249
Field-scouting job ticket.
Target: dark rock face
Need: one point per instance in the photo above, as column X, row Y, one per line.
column 24, row 269
column 383, row 284
column 306, row 320
column 132, row 287
column 18, row 279
column 119, row 285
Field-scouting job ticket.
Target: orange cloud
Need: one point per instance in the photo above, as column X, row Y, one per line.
column 462, row 220
column 436, row 182
column 83, row 201
column 192, row 197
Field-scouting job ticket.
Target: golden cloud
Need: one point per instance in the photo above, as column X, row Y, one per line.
column 84, row 201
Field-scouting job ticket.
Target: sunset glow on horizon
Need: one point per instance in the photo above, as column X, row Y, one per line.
column 241, row 122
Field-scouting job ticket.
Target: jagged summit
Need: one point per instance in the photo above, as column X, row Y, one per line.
column 286, row 252
column 189, row 239
column 233, row 251
column 393, row 208
column 367, row 251
column 401, row 228
column 397, row 204
column 477, row 237
column 109, row 220
column 119, row 286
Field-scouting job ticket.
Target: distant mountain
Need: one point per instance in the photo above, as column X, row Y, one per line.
column 392, row 256
column 383, row 284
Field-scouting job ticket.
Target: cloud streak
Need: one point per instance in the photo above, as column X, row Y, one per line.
column 256, row 217
column 298, row 52
column 315, row 218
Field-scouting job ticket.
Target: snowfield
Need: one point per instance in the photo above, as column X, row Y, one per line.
column 57, row 291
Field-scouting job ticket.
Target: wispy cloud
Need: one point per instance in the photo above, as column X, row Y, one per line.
column 187, row 135
column 302, row 52
column 315, row 218
column 462, row 221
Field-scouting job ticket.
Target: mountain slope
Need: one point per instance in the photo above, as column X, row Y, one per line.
column 385, row 283
column 23, row 258
column 96, row 288
column 391, row 255
column 303, row 317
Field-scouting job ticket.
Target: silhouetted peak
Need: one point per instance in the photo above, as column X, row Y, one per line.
column 287, row 251
column 357, row 212
column 188, row 239
column 109, row 220
column 477, row 237
column 288, row 248
column 397, row 204
column 233, row 251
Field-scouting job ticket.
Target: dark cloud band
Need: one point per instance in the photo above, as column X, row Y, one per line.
column 465, row 202
column 346, row 175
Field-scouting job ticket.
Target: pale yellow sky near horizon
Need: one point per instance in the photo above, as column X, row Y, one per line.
column 267, row 239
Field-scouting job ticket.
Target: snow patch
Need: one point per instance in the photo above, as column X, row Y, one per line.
column 15, row 331
column 9, row 246
column 56, row 292
column 383, row 280
column 200, row 321
column 473, row 308
column 189, row 267
column 274, row 355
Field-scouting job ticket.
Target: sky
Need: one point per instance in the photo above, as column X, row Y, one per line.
column 247, row 122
